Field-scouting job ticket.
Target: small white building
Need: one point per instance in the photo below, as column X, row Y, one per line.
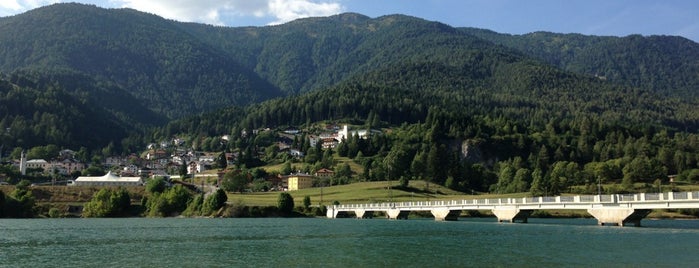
column 107, row 180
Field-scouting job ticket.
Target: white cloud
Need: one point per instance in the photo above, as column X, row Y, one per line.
column 8, row 7
column 288, row 10
column 218, row 11
column 205, row 11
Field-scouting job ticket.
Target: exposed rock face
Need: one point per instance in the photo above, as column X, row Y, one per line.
column 471, row 152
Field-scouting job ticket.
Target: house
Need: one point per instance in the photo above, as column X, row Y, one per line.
column 66, row 154
column 324, row 172
column 38, row 164
column 208, row 158
column 178, row 141
column 107, row 180
column 164, row 144
column 67, row 166
column 193, row 167
column 112, row 161
column 198, row 166
column 130, row 169
column 299, row 181
column 296, row 153
column 329, row 143
column 156, row 154
column 345, row 133
column 292, row 131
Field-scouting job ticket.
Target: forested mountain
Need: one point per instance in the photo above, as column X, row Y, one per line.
column 666, row 64
column 467, row 108
column 314, row 53
column 36, row 113
column 162, row 66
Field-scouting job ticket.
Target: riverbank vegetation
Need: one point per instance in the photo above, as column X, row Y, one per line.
column 60, row 201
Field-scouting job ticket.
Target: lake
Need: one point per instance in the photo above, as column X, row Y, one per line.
column 304, row 242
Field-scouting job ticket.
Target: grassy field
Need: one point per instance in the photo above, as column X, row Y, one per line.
column 362, row 192
column 369, row 192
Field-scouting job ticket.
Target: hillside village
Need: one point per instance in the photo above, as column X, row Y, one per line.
column 166, row 159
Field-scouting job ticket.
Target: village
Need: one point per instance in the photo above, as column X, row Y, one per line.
column 176, row 160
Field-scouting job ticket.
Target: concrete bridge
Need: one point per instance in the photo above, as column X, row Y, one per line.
column 616, row 209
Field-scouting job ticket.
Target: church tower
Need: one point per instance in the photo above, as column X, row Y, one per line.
column 23, row 164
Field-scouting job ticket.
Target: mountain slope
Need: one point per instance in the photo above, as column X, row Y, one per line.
column 666, row 64
column 151, row 58
column 37, row 114
column 141, row 69
column 314, row 53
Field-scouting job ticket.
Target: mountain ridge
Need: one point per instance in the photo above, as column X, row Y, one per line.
column 169, row 70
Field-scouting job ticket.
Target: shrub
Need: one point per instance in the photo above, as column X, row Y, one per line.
column 55, row 213
column 285, row 203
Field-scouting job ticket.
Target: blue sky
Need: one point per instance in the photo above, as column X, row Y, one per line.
column 592, row 17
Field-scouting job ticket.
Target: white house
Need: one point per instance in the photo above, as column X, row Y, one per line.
column 346, row 133
column 38, row 164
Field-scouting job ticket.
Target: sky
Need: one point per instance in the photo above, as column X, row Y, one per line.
column 590, row 17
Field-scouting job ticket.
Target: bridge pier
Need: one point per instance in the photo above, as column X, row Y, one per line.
column 334, row 213
column 511, row 214
column 444, row 214
column 363, row 214
column 618, row 216
column 397, row 214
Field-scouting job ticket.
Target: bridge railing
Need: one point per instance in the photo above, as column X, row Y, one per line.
column 578, row 199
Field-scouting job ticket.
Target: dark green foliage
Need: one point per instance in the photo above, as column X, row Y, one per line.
column 20, row 203
column 285, row 203
column 306, row 202
column 195, row 207
column 108, row 203
column 46, row 114
column 153, row 58
column 93, row 170
column 172, row 201
column 221, row 161
column 156, row 185
column 214, row 202
column 235, row 181
column 666, row 64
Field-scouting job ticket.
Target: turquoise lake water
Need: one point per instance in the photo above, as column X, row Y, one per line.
column 277, row 242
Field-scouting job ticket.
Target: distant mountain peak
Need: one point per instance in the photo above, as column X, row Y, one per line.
column 350, row 17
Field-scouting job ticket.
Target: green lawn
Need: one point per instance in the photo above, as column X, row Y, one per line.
column 364, row 192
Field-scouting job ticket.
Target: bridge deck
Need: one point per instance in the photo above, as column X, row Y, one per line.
column 670, row 200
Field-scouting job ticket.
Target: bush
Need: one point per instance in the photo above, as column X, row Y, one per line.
column 156, row 185
column 55, row 213
column 214, row 202
column 306, row 202
column 285, row 203
column 172, row 201
column 108, row 203
column 194, row 208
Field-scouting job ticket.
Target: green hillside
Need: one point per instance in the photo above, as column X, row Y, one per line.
column 35, row 113
column 665, row 64
column 169, row 71
column 469, row 109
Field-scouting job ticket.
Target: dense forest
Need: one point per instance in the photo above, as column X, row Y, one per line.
column 665, row 64
column 467, row 108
